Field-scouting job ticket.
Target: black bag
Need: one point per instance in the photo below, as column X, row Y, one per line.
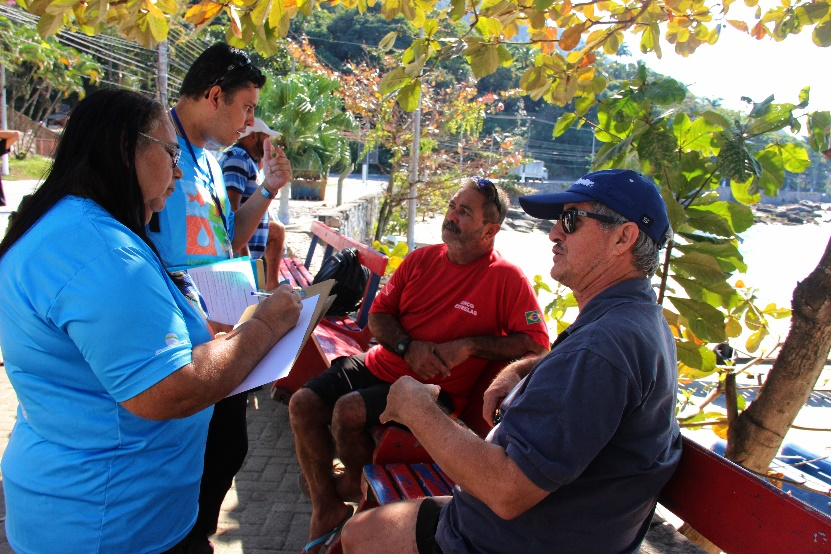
column 350, row 280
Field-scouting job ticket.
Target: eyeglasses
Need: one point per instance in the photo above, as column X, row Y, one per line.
column 172, row 149
column 569, row 219
column 487, row 187
column 236, row 64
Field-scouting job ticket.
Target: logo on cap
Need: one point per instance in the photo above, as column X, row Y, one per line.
column 646, row 220
column 584, row 182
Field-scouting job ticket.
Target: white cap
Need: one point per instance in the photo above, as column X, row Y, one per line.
column 259, row 127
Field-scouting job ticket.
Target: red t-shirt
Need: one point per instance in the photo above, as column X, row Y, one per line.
column 439, row 301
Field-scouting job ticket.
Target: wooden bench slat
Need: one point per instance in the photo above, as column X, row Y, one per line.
column 738, row 511
column 405, row 481
column 380, row 484
column 429, row 480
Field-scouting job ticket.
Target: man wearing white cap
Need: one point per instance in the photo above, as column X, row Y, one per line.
column 241, row 169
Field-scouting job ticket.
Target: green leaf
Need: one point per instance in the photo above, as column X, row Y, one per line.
column 773, row 173
column 657, row 149
column 794, row 156
column 430, row 27
column 458, row 10
column 819, row 124
column 755, row 339
column 484, row 60
column 388, row 41
column 747, row 193
column 804, row 96
column 739, row 217
column 736, row 162
column 709, row 222
column 563, row 124
column 393, row 81
column 775, row 118
column 776, row 312
column 705, row 321
column 409, row 96
column 696, row 356
column 717, row 119
column 719, row 294
column 727, row 254
column 699, row 137
column 666, row 92
column 612, row 154
column 822, row 34
column 699, row 266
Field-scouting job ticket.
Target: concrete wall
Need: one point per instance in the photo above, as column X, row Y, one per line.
column 355, row 219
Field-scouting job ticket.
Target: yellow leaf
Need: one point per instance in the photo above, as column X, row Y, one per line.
column 739, row 25
column 720, row 430
column 571, row 37
column 236, row 26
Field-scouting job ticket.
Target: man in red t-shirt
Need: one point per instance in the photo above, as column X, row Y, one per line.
column 446, row 311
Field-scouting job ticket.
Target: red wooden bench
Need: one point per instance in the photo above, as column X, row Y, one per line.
column 335, row 336
column 736, row 510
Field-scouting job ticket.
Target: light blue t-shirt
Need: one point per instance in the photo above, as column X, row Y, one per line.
column 88, row 319
column 190, row 229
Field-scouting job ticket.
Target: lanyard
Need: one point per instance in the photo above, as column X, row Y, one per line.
column 215, row 198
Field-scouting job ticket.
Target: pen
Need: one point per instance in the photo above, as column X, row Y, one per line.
column 301, row 292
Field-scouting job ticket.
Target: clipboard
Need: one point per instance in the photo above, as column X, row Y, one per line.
column 279, row 360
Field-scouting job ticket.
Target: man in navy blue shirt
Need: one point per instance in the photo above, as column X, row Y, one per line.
column 585, row 437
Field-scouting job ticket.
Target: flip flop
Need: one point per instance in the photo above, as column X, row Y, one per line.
column 328, row 538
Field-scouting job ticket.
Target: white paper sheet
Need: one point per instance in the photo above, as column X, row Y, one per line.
column 277, row 363
column 226, row 287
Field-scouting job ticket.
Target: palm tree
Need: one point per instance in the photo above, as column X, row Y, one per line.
column 306, row 110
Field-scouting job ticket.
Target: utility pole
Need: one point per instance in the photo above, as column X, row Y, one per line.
column 161, row 80
column 285, row 193
column 411, row 205
column 4, row 170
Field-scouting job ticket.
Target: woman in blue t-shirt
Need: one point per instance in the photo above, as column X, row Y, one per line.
column 114, row 366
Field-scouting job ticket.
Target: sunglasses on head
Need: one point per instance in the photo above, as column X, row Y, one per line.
column 241, row 60
column 569, row 219
column 489, row 189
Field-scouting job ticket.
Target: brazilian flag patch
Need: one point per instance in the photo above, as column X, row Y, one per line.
column 534, row 317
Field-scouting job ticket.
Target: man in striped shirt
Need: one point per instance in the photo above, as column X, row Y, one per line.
column 241, row 169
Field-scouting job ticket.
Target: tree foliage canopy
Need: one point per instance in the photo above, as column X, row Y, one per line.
column 567, row 35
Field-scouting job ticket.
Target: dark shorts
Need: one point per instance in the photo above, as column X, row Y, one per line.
column 427, row 522
column 350, row 374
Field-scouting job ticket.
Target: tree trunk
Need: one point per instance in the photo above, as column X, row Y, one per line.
column 757, row 434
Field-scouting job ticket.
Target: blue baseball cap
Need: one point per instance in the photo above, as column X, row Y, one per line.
column 623, row 190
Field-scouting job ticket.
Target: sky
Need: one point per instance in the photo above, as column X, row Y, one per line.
column 738, row 65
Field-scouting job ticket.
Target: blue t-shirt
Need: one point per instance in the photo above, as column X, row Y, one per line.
column 242, row 174
column 594, row 424
column 191, row 230
column 88, row 319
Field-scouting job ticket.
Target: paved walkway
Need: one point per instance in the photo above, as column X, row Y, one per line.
column 264, row 513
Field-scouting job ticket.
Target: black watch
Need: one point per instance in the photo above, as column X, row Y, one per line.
column 402, row 346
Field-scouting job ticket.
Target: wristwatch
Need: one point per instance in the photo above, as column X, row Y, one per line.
column 402, row 346
column 265, row 192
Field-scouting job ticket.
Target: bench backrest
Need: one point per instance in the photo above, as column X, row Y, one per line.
column 374, row 261
column 738, row 511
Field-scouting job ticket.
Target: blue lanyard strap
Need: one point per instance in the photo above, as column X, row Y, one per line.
column 214, row 196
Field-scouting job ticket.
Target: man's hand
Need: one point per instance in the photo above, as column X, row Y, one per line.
column 277, row 167
column 504, row 383
column 452, row 353
column 406, row 396
column 423, row 360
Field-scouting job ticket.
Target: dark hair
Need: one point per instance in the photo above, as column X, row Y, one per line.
column 95, row 159
column 230, row 68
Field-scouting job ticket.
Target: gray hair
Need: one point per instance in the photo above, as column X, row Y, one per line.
column 645, row 252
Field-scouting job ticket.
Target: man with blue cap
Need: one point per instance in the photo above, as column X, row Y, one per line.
column 585, row 437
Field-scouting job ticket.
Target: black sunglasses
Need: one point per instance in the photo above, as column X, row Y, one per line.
column 237, row 63
column 487, row 187
column 569, row 219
